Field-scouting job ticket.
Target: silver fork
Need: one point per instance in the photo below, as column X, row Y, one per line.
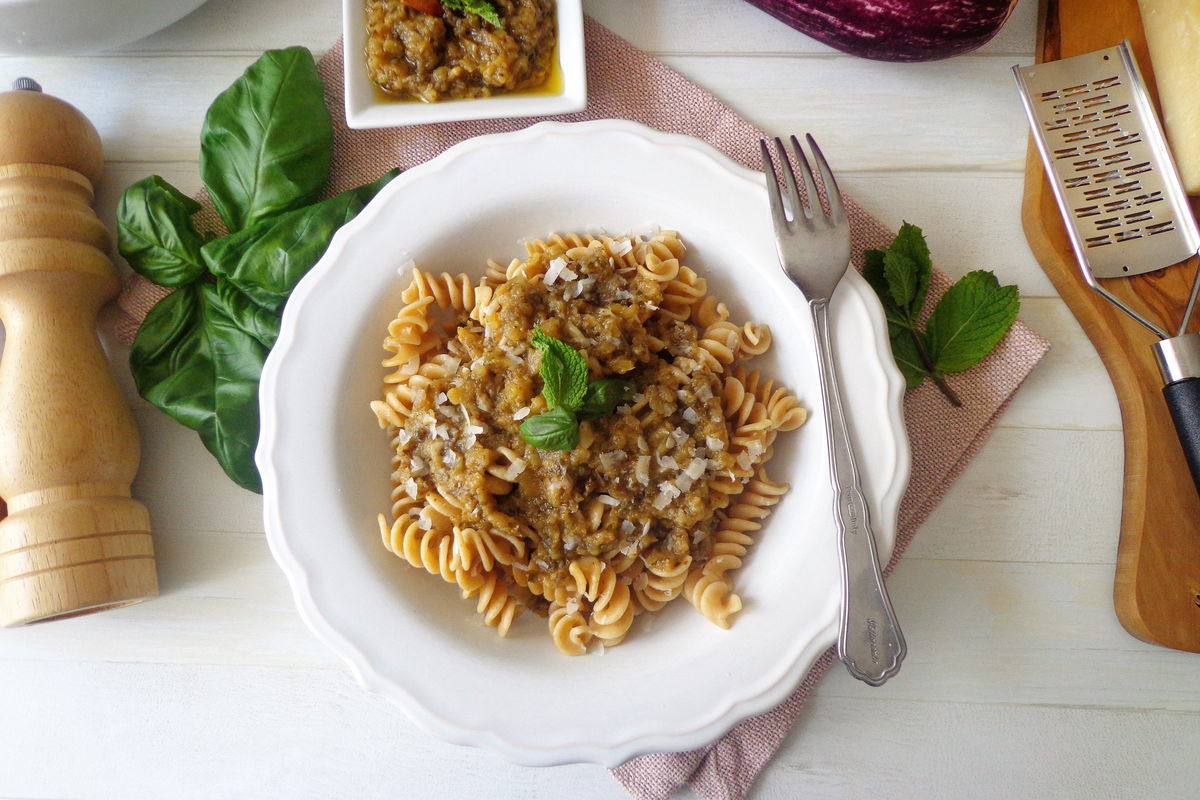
column 814, row 250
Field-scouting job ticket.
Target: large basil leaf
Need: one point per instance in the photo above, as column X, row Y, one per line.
column 193, row 361
column 155, row 233
column 255, row 320
column 267, row 140
column 266, row 261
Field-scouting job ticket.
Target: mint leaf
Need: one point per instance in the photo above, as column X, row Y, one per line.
column 873, row 272
column 602, row 397
column 907, row 268
column 564, row 372
column 481, row 8
column 908, row 359
column 554, row 430
column 969, row 320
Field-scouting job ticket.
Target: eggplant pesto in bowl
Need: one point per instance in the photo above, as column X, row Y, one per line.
column 429, row 51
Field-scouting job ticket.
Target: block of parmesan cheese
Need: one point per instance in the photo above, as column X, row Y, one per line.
column 1173, row 33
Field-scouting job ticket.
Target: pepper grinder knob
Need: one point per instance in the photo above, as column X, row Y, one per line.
column 74, row 541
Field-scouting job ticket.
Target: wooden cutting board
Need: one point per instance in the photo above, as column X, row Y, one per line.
column 1157, row 588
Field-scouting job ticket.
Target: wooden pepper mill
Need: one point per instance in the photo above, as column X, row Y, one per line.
column 74, row 541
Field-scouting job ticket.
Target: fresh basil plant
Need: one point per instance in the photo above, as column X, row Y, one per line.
column 264, row 156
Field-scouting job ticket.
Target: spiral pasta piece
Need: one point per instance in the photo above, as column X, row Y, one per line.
column 448, row 291
column 754, row 340
column 569, row 630
column 484, row 548
column 431, row 550
column 612, row 612
column 782, row 407
column 681, row 293
column 719, row 344
column 660, row 262
column 659, row 584
column 707, row 311
column 712, row 595
column 556, row 241
column 410, row 336
column 497, row 606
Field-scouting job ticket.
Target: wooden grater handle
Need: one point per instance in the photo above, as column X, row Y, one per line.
column 74, row 540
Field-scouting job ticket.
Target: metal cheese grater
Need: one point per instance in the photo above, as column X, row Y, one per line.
column 1122, row 199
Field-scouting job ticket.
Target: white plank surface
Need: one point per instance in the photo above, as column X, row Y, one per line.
column 1019, row 683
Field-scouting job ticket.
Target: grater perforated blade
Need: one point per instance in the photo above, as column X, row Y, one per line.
column 1121, row 197
column 1111, row 170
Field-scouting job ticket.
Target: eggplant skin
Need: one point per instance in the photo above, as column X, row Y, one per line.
column 895, row 30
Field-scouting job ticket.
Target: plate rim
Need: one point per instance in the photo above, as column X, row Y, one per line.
column 635, row 744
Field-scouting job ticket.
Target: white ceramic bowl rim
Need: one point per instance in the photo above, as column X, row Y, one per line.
column 596, row 745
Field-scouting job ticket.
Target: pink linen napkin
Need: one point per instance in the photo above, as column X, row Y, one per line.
column 626, row 83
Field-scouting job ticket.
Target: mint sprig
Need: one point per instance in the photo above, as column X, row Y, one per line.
column 570, row 397
column 967, row 323
column 481, row 8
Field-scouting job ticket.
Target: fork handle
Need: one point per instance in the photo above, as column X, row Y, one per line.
column 870, row 642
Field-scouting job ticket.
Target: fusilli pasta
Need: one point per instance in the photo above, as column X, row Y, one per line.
column 660, row 498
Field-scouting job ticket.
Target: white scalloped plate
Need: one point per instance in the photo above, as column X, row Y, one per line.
column 677, row 682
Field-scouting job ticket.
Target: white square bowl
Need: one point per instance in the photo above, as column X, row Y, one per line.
column 367, row 108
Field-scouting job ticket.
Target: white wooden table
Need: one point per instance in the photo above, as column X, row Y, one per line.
column 1019, row 682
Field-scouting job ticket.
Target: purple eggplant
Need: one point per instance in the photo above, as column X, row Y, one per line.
column 894, row 30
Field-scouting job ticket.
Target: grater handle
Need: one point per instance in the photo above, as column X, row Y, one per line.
column 1183, row 400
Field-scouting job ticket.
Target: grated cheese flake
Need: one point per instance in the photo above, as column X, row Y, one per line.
column 642, row 471
column 690, row 415
column 514, row 469
column 714, row 444
column 521, row 413
column 612, row 458
column 608, row 500
column 555, row 269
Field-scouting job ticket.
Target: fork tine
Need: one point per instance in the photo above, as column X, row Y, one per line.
column 777, row 214
column 837, row 211
column 810, row 188
column 799, row 209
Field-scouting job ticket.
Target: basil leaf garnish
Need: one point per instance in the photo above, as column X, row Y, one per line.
column 602, row 397
column 554, row 430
